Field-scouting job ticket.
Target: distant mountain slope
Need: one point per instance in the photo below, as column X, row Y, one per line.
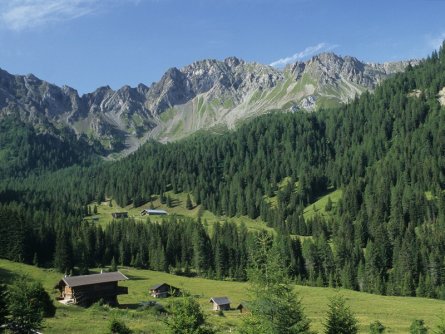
column 25, row 151
column 206, row 94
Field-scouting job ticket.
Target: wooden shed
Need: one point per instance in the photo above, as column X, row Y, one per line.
column 242, row 308
column 87, row 289
column 119, row 215
column 163, row 290
column 220, row 303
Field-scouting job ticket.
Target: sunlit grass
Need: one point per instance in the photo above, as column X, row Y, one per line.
column 178, row 208
column 396, row 313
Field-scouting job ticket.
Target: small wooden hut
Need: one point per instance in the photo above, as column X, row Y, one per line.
column 220, row 303
column 163, row 290
column 119, row 215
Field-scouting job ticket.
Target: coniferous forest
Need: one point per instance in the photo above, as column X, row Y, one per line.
column 385, row 150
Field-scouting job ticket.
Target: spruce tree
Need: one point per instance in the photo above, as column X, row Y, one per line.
column 340, row 319
column 188, row 203
column 275, row 307
column 113, row 265
column 328, row 206
column 63, row 255
column 169, row 201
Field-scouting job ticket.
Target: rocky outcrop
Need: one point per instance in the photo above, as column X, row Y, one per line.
column 204, row 94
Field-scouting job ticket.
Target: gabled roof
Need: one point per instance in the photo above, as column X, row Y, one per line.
column 157, row 286
column 220, row 300
column 74, row 281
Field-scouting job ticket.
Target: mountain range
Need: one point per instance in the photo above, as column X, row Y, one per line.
column 207, row 94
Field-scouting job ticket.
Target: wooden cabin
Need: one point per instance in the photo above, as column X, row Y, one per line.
column 88, row 289
column 119, row 215
column 220, row 303
column 152, row 212
column 163, row 290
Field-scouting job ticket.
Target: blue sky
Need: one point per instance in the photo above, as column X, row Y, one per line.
column 91, row 43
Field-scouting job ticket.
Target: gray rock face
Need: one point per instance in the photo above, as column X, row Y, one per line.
column 204, row 94
column 329, row 68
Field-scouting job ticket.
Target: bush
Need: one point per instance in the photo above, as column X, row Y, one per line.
column 119, row 327
column 3, row 304
column 376, row 327
column 28, row 303
column 418, row 327
column 187, row 317
column 153, row 308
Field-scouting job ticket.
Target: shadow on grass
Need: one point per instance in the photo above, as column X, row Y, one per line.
column 136, row 278
column 129, row 306
column 7, row 276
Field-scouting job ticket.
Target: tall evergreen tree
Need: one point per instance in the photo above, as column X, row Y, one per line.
column 188, row 203
column 275, row 307
column 63, row 256
column 340, row 319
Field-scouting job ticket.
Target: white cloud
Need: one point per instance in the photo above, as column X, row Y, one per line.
column 435, row 42
column 309, row 51
column 25, row 14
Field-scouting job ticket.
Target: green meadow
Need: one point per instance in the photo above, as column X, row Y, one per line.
column 104, row 211
column 396, row 313
column 318, row 207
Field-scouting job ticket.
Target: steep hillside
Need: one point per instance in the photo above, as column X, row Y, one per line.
column 207, row 94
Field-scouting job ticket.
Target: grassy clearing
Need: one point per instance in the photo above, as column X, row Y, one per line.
column 104, row 212
column 273, row 201
column 168, row 114
column 396, row 313
column 318, row 207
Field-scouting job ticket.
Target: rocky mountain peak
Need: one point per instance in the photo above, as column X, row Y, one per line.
column 203, row 94
column 233, row 61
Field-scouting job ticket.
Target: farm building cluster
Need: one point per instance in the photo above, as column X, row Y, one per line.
column 87, row 289
column 148, row 212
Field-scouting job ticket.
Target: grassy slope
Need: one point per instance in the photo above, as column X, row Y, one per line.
column 179, row 209
column 318, row 207
column 396, row 313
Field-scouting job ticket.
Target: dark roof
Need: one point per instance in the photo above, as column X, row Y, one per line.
column 74, row 281
column 114, row 214
column 220, row 300
column 242, row 305
column 157, row 286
